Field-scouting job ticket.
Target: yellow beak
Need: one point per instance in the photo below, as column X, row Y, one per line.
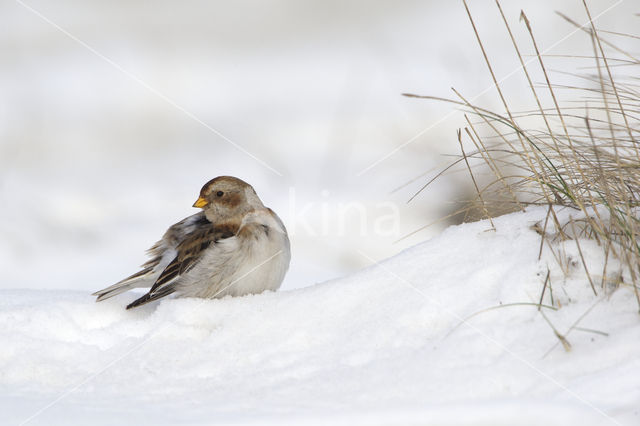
column 200, row 202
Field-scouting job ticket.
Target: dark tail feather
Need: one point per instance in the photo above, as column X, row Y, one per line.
column 150, row 297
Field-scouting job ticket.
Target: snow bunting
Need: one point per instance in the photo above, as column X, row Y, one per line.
column 234, row 246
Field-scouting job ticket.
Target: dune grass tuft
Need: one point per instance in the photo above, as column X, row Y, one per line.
column 578, row 148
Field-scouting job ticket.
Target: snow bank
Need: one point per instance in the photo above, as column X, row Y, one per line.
column 382, row 346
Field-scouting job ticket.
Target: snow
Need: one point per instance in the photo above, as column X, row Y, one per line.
column 385, row 345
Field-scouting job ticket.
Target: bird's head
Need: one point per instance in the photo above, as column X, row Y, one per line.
column 227, row 197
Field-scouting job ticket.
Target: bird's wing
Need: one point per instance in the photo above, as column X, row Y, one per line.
column 161, row 253
column 188, row 252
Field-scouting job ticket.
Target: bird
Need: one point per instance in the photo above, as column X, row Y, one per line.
column 234, row 246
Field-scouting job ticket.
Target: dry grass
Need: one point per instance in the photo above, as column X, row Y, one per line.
column 578, row 148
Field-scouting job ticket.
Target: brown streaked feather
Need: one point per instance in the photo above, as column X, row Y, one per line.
column 190, row 250
column 171, row 239
column 159, row 254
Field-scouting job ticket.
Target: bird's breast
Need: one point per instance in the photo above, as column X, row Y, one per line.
column 265, row 256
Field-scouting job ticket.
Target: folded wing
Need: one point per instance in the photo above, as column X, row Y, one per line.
column 163, row 253
column 188, row 253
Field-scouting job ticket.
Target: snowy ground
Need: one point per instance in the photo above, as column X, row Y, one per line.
column 381, row 346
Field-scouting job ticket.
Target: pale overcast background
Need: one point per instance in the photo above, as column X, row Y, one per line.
column 113, row 114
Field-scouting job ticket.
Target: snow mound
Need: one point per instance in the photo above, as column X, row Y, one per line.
column 383, row 346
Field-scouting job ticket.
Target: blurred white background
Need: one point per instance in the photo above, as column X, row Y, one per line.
column 107, row 111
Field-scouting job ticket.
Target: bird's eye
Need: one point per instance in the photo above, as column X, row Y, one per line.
column 220, row 193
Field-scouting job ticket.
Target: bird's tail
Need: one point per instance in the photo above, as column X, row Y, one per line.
column 139, row 279
column 151, row 296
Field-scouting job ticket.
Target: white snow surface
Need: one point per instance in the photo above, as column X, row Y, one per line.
column 382, row 346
